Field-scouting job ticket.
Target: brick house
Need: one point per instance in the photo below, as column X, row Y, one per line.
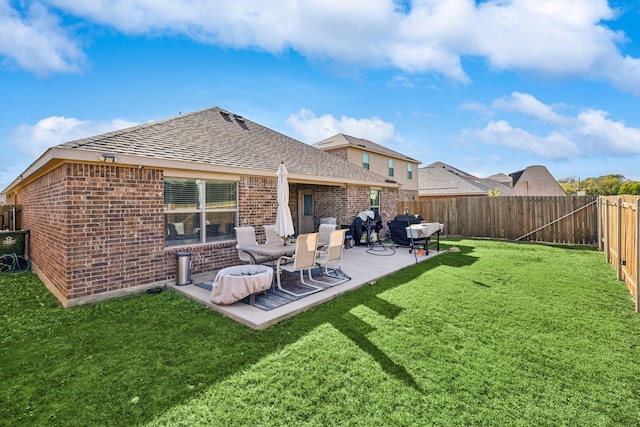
column 107, row 214
column 396, row 167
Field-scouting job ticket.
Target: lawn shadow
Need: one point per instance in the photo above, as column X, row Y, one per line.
column 166, row 349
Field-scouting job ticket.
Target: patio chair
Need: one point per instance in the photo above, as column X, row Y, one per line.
column 271, row 235
column 303, row 259
column 332, row 253
column 246, row 237
column 325, row 231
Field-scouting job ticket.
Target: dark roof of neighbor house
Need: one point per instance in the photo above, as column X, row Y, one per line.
column 341, row 140
column 535, row 181
column 212, row 140
column 440, row 179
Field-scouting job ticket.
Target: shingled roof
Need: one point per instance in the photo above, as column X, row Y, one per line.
column 215, row 140
column 440, row 179
column 535, row 181
column 342, row 140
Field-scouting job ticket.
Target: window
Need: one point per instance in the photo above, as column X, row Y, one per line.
column 375, row 201
column 198, row 211
column 365, row 160
column 409, row 171
column 307, row 205
column 390, row 167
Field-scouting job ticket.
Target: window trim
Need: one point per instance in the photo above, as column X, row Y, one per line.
column 201, row 209
column 367, row 164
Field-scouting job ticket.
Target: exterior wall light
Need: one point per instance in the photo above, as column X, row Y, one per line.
column 109, row 158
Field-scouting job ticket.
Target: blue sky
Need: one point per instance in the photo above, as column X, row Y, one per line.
column 485, row 86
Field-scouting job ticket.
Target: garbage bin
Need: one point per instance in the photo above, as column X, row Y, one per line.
column 183, row 268
column 14, row 242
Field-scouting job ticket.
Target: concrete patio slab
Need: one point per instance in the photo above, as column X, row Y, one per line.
column 363, row 264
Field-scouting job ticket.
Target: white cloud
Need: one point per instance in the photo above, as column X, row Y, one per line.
column 36, row 42
column 553, row 146
column 590, row 132
column 605, row 135
column 48, row 132
column 552, row 37
column 314, row 129
column 529, row 105
column 478, row 108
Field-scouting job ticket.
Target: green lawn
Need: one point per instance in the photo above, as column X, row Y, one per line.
column 498, row 334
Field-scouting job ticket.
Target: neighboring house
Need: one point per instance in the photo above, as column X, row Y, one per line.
column 535, row 181
column 368, row 155
column 441, row 180
column 502, row 178
column 108, row 214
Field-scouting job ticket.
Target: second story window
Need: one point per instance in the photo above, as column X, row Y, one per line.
column 365, row 160
column 390, row 167
column 409, row 171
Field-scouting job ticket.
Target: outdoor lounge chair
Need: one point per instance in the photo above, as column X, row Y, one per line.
column 325, row 231
column 246, row 237
column 303, row 259
column 332, row 253
column 271, row 235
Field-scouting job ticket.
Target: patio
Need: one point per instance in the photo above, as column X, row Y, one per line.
column 363, row 264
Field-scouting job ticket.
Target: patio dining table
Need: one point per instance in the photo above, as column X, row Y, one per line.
column 271, row 250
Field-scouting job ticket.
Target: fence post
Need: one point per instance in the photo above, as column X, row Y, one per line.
column 619, row 233
column 637, row 244
column 606, row 230
column 599, row 224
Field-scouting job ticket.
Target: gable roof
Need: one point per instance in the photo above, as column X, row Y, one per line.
column 211, row 140
column 535, row 181
column 341, row 140
column 440, row 179
column 502, row 178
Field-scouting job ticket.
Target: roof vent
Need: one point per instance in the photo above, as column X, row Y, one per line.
column 226, row 115
column 240, row 121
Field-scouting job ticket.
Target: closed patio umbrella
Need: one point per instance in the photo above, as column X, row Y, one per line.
column 284, row 223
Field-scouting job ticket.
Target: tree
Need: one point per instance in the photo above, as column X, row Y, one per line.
column 630, row 187
column 607, row 185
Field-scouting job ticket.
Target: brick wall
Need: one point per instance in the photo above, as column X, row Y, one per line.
column 99, row 229
column 44, row 209
column 329, row 202
column 258, row 202
column 114, row 228
column 388, row 204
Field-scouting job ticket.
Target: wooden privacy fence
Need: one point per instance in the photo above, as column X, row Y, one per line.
column 566, row 220
column 619, row 237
